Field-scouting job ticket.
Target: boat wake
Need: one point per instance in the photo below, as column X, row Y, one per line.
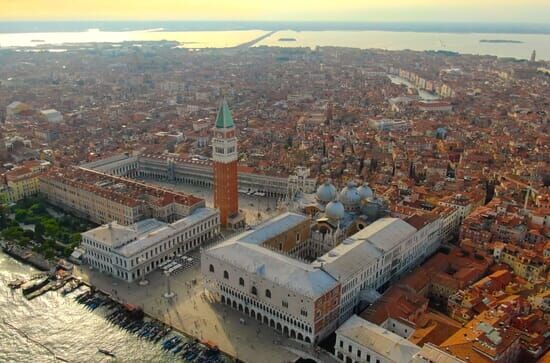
column 23, row 334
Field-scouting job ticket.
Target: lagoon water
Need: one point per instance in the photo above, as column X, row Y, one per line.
column 63, row 326
column 467, row 43
column 188, row 39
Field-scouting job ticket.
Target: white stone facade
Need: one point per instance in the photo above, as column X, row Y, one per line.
column 359, row 341
column 131, row 252
column 371, row 258
column 374, row 256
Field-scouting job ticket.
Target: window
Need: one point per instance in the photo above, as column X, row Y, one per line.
column 349, row 348
column 341, row 344
column 297, row 237
column 241, row 281
column 358, row 353
column 254, row 291
column 303, row 312
column 268, row 293
column 226, row 275
column 285, row 304
column 211, row 268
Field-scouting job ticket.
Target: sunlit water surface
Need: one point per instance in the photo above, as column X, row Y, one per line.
column 466, row 43
column 64, row 326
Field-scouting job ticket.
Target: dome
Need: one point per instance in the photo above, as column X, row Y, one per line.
column 365, row 192
column 374, row 209
column 335, row 210
column 349, row 195
column 326, row 192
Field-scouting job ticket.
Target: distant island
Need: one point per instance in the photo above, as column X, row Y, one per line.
column 500, row 41
column 287, row 39
column 443, row 52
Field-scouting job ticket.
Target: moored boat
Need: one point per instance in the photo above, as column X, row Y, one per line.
column 34, row 285
column 15, row 284
column 106, row 352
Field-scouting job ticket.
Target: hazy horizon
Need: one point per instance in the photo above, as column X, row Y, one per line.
column 531, row 11
column 24, row 26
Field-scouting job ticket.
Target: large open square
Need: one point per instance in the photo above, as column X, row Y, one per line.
column 195, row 312
column 255, row 208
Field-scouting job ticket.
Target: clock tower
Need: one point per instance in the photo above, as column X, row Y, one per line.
column 224, row 155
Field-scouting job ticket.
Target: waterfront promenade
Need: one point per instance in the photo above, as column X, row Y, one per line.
column 194, row 312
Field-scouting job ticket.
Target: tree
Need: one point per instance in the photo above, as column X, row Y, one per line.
column 67, row 251
column 67, row 221
column 39, row 231
column 49, row 253
column 76, row 238
column 51, row 226
column 21, row 215
column 12, row 233
column 3, row 215
column 28, row 234
column 24, row 241
column 37, row 208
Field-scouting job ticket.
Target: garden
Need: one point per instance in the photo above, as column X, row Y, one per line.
column 35, row 224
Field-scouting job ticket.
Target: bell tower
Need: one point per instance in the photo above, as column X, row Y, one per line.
column 224, row 155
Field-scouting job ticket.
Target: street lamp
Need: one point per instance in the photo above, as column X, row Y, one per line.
column 169, row 293
column 143, row 281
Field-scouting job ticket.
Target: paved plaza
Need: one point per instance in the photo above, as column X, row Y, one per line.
column 256, row 209
column 194, row 312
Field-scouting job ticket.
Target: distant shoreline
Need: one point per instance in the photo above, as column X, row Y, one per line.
column 501, row 41
column 67, row 47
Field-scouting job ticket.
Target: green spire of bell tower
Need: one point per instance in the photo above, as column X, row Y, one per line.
column 224, row 119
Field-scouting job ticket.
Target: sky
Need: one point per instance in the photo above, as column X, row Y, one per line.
column 280, row 10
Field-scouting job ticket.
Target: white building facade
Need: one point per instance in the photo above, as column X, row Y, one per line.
column 52, row 116
column 242, row 272
column 377, row 254
column 131, row 252
column 291, row 296
column 358, row 340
